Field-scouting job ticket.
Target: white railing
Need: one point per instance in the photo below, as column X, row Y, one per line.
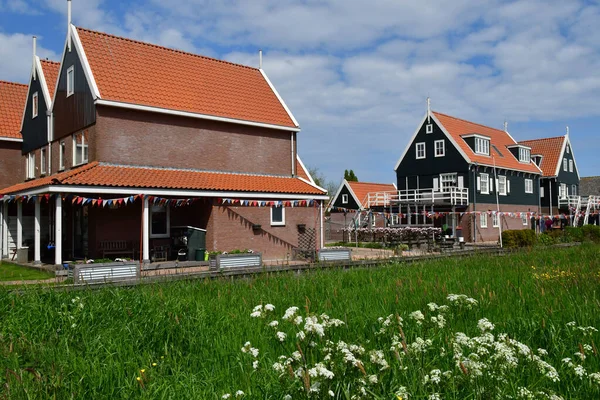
column 453, row 196
column 569, row 201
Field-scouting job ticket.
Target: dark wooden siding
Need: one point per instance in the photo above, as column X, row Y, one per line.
column 351, row 202
column 517, row 193
column 570, row 178
column 35, row 130
column 75, row 112
column 430, row 167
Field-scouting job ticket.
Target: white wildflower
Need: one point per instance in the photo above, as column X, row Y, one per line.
column 432, row 306
column 278, row 367
column 595, row 377
column 485, row 325
column 287, row 397
column 255, row 364
column 269, row 307
column 274, row 324
column 440, row 321
column 417, row 316
column 226, row 396
column 402, row 393
column 297, row 356
column 320, row 370
column 246, row 347
column 579, row 371
column 331, row 394
column 239, row 393
column 253, row 351
column 301, row 335
column 312, row 325
column 434, row 396
column 290, row 313
column 281, row 336
column 542, row 352
column 373, row 379
column 297, row 320
column 378, row 358
column 256, row 314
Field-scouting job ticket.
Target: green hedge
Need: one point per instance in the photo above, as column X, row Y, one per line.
column 586, row 233
column 519, row 238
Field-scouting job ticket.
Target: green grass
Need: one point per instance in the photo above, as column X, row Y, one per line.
column 50, row 347
column 12, row 272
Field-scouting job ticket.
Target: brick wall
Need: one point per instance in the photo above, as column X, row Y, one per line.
column 144, row 138
column 12, row 164
column 491, row 234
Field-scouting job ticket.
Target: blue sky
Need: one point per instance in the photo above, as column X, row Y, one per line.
column 356, row 74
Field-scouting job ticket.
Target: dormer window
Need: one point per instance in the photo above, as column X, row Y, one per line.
column 70, row 80
column 482, row 146
column 524, row 155
column 429, row 128
column 34, row 105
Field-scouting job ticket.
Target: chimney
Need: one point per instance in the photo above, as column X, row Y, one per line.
column 69, row 24
column 34, row 55
column 260, row 59
column 428, row 110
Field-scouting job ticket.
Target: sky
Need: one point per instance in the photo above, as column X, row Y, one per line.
column 356, row 74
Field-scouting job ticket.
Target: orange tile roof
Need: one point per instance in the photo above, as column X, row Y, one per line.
column 108, row 175
column 550, row 149
column 362, row 189
column 50, row 69
column 12, row 103
column 140, row 73
column 457, row 127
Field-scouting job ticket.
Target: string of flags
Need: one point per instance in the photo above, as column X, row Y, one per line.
column 439, row 214
column 267, row 203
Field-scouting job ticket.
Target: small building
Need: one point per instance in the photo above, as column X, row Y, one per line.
column 142, row 139
column 12, row 102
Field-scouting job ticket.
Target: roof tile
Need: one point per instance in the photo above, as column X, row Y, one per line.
column 550, row 149
column 50, row 69
column 12, row 104
column 362, row 189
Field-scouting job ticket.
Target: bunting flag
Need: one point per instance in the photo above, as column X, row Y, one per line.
column 342, row 209
column 506, row 214
column 267, row 203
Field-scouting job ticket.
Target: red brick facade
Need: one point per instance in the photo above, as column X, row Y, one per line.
column 491, row 233
column 12, row 164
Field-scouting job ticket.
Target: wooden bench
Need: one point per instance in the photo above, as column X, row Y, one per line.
column 117, row 247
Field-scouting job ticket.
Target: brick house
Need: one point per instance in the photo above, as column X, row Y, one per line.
column 461, row 173
column 143, row 138
column 12, row 102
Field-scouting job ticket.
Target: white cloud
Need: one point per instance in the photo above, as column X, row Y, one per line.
column 16, row 54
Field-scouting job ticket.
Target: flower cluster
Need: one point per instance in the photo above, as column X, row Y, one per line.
column 406, row 234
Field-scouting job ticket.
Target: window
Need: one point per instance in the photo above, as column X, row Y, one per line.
column 373, row 221
column 541, row 191
column 448, row 181
column 440, row 148
column 568, row 150
column 528, row 185
column 502, row 185
column 483, row 220
column 570, row 165
column 574, row 190
column 524, row 219
column 61, row 156
column 344, row 199
column 30, row 165
column 562, row 190
column 70, row 80
column 160, row 222
column 564, row 164
column 277, row 216
column 80, row 148
column 482, row 146
column 34, row 105
column 420, row 150
column 495, row 220
column 429, row 128
column 485, row 184
column 43, row 161
column 524, row 155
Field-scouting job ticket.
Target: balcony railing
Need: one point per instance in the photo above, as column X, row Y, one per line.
column 571, row 201
column 448, row 196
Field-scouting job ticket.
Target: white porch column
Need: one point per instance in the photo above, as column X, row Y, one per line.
column 58, row 231
column 37, row 258
column 322, row 238
column 19, row 224
column 146, row 232
column 2, row 231
column 5, row 229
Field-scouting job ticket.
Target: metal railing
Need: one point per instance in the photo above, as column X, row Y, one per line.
column 452, row 196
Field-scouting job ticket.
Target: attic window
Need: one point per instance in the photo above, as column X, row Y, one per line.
column 344, row 199
column 34, row 105
column 429, row 128
column 482, row 146
column 524, row 155
column 568, row 151
column 70, row 80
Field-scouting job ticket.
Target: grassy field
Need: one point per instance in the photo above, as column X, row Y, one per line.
column 183, row 340
column 12, row 272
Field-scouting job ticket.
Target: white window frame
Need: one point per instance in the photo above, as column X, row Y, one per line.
column 502, row 191
column 524, row 219
column 570, row 165
column 542, row 193
column 278, row 223
column 451, row 178
column 373, row 220
column 528, row 185
column 62, row 151
column 70, row 80
column 429, row 128
column 482, row 146
column 441, row 153
column 43, row 161
column 524, row 155
column 565, row 164
column 418, row 147
column 30, row 165
column 34, row 105
column 344, row 199
column 568, row 151
column 574, row 190
column 80, row 147
column 562, row 191
column 161, row 235
column 484, row 178
column 495, row 220
column 483, row 220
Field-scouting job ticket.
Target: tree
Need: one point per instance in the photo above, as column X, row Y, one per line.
column 350, row 176
column 321, row 181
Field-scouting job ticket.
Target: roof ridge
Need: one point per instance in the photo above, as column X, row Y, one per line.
column 371, row 183
column 544, row 138
column 470, row 122
column 14, row 83
column 166, row 48
column 50, row 61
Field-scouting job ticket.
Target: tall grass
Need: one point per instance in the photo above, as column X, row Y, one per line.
column 94, row 344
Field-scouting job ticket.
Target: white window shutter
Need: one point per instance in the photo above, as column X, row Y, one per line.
column 436, row 184
column 479, row 183
column 491, row 181
column 507, row 186
column 541, row 191
column 461, row 182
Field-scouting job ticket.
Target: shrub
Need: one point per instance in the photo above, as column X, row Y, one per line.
column 591, row 233
column 546, row 240
column 518, row 238
column 573, row 234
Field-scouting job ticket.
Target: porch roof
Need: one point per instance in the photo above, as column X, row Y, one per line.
column 102, row 175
